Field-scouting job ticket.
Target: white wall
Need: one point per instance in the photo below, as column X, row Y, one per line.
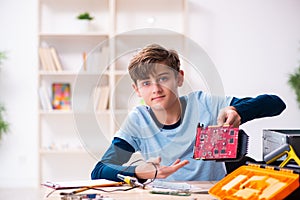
column 254, row 45
column 18, row 83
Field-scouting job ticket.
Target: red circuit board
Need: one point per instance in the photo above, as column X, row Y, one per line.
column 214, row 143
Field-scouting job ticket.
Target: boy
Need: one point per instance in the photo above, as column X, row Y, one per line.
column 163, row 131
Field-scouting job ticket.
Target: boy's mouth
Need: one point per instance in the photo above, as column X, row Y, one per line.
column 157, row 98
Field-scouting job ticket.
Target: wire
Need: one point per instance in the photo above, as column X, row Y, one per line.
column 139, row 160
column 126, row 189
column 155, row 175
column 99, row 189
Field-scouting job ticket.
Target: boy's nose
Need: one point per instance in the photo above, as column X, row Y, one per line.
column 156, row 87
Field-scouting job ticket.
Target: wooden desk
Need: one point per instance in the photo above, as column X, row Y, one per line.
column 138, row 193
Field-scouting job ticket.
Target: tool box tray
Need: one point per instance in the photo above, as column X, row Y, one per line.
column 256, row 181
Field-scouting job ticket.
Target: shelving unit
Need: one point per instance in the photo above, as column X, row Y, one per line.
column 71, row 141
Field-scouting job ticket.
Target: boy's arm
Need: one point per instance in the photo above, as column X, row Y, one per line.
column 119, row 153
column 258, row 107
column 111, row 163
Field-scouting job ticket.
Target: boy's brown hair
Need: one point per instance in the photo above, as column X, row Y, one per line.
column 143, row 64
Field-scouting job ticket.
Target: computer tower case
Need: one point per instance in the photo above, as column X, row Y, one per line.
column 274, row 139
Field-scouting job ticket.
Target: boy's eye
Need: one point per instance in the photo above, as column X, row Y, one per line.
column 146, row 83
column 163, row 79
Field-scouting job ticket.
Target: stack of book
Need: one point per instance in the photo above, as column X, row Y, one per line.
column 49, row 59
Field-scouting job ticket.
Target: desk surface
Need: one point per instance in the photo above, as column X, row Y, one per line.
column 135, row 194
column 138, row 193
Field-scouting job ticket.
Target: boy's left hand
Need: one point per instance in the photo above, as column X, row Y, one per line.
column 229, row 115
column 147, row 171
column 165, row 171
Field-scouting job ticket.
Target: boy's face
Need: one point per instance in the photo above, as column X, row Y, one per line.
column 160, row 89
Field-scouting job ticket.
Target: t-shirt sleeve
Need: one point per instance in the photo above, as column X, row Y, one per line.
column 111, row 163
column 136, row 127
column 261, row 106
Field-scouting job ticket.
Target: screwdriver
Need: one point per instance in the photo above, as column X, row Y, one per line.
column 130, row 180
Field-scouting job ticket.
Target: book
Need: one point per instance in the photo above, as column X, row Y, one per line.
column 103, row 98
column 43, row 60
column 49, row 59
column 46, row 58
column 56, row 59
column 61, row 96
column 44, row 98
column 96, row 96
column 81, row 184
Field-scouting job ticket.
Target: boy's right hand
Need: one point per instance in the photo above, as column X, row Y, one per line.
column 148, row 170
column 230, row 116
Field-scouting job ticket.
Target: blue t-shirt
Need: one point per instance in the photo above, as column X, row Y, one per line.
column 141, row 131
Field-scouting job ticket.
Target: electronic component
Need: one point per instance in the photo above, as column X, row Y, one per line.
column 169, row 192
column 220, row 143
column 171, row 188
column 130, row 180
column 179, row 186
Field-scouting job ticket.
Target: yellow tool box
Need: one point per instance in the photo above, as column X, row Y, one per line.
column 256, row 182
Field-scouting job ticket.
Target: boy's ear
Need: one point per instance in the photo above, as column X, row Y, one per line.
column 180, row 78
column 136, row 89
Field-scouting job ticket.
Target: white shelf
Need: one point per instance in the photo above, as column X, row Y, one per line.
column 101, row 43
column 56, row 112
column 70, row 112
column 86, row 34
column 120, row 72
column 61, row 17
column 149, row 14
column 62, row 151
column 71, row 73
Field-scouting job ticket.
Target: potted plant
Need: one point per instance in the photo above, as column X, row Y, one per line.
column 3, row 124
column 85, row 19
column 294, row 82
column 85, row 16
column 2, row 56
